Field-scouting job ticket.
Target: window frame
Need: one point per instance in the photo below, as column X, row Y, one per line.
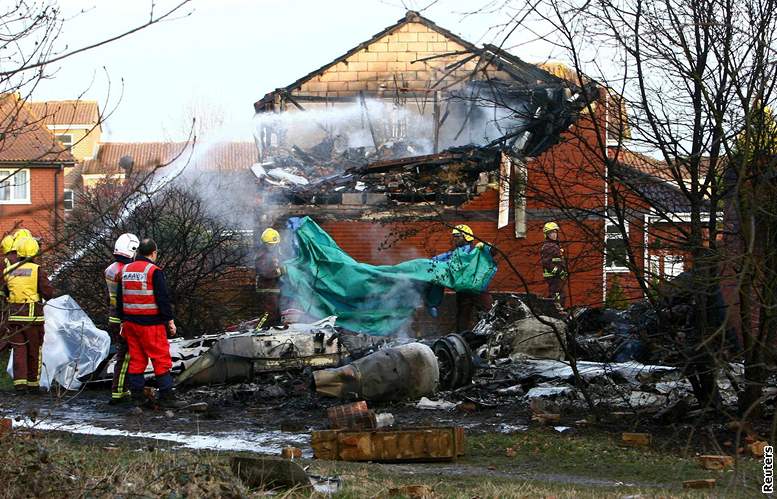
column 10, row 173
column 613, row 267
column 72, row 199
column 67, row 145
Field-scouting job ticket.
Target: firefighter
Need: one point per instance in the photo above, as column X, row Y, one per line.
column 7, row 247
column 124, row 253
column 554, row 268
column 268, row 274
column 28, row 286
column 468, row 305
column 143, row 305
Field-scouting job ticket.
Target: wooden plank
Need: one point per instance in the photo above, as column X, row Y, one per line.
column 636, row 439
column 710, row 462
column 391, row 445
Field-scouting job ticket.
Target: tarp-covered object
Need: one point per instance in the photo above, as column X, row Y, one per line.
column 73, row 346
column 323, row 280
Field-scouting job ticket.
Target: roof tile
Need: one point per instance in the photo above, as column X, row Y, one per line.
column 67, row 112
column 23, row 136
column 223, row 156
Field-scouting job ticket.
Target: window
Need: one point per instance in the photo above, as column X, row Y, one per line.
column 68, row 200
column 673, row 265
column 14, row 186
column 65, row 139
column 615, row 252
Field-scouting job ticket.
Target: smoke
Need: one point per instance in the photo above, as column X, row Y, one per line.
column 476, row 115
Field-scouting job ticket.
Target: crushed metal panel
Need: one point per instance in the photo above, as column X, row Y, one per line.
column 416, row 444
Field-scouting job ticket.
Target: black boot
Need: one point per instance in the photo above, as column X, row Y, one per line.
column 167, row 399
column 139, row 399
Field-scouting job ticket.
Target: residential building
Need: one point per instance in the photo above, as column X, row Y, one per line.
column 212, row 159
column 77, row 125
column 32, row 166
column 509, row 147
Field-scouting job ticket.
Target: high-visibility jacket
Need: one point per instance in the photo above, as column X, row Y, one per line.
column 137, row 289
column 23, row 293
column 112, row 278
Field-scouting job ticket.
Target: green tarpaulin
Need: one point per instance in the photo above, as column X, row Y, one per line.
column 375, row 299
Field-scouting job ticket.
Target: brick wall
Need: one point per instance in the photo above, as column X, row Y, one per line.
column 392, row 56
column 40, row 215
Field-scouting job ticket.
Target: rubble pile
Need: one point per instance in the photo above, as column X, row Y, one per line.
column 514, row 327
column 517, row 354
column 322, row 174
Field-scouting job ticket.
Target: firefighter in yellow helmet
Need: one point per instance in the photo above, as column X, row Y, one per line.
column 468, row 305
column 28, row 286
column 7, row 246
column 268, row 274
column 9, row 258
column 554, row 268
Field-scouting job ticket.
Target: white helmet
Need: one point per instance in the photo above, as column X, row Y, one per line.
column 126, row 245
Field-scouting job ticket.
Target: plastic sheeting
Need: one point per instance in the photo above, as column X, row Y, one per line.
column 73, row 346
column 323, row 280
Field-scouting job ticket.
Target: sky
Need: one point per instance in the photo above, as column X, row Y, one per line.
column 220, row 56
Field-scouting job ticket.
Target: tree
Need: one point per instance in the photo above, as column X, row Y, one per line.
column 198, row 250
column 695, row 77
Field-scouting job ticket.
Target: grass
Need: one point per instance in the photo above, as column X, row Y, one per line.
column 545, row 464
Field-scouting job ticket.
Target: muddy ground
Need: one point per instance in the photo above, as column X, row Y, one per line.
column 579, row 450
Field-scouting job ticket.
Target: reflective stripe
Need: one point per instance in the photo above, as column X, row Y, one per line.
column 139, row 306
column 137, row 288
column 112, row 274
column 268, row 290
column 114, row 320
column 30, row 317
column 18, row 382
column 121, row 393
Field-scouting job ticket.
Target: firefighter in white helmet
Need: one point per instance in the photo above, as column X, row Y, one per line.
column 123, row 253
column 554, row 269
column 28, row 287
column 268, row 274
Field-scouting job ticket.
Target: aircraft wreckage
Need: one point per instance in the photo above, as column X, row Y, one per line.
column 346, row 364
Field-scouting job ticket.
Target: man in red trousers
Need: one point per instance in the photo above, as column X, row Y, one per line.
column 147, row 317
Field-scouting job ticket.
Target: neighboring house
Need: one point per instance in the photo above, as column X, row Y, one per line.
column 77, row 125
column 32, row 165
column 211, row 159
column 504, row 176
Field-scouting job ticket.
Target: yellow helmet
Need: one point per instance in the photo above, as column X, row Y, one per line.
column 465, row 231
column 20, row 233
column 550, row 226
column 271, row 236
column 7, row 244
column 26, row 247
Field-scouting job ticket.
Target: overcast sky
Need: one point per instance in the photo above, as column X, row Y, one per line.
column 227, row 54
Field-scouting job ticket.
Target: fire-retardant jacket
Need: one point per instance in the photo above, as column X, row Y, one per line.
column 148, row 300
column 552, row 256
column 112, row 279
column 28, row 285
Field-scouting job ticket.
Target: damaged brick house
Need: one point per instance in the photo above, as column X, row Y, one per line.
column 417, row 130
column 32, row 171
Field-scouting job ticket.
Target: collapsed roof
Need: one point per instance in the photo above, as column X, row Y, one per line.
column 408, row 134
